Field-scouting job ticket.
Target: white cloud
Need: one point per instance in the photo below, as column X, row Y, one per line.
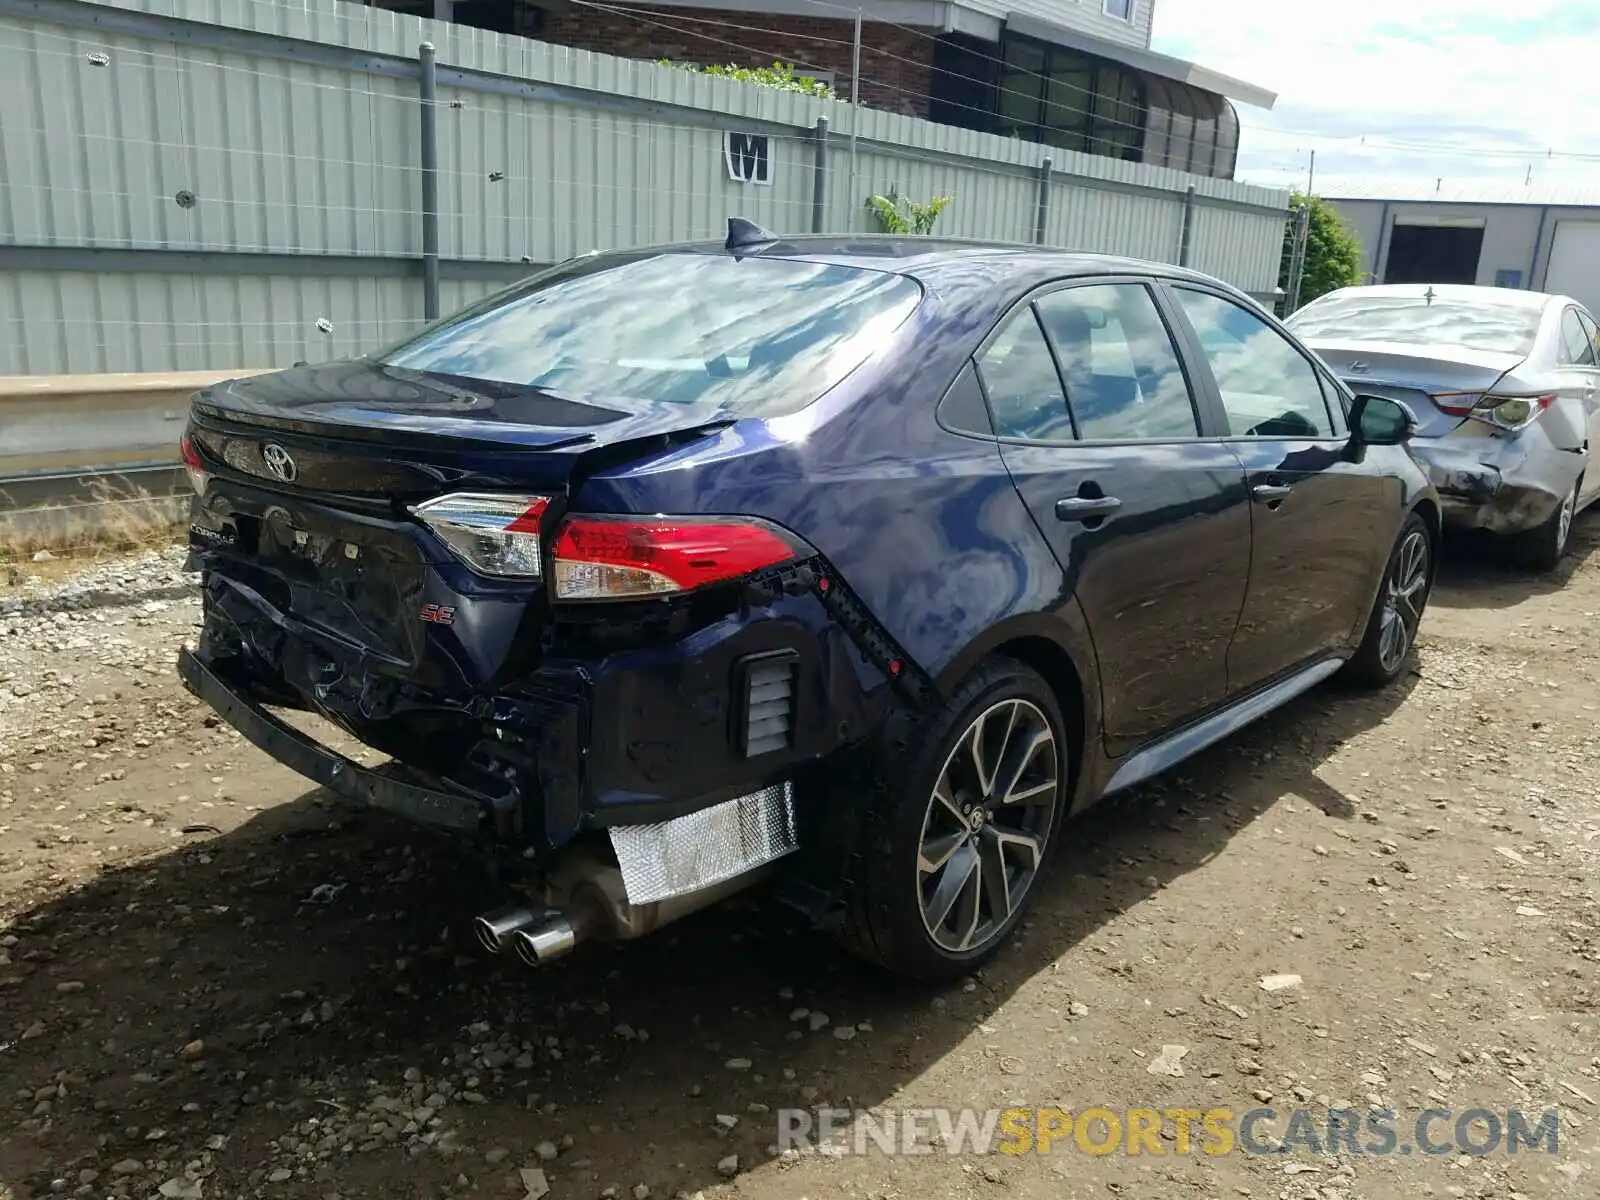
column 1470, row 90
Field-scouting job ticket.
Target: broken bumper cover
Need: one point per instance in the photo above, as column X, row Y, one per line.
column 300, row 752
column 629, row 738
column 1500, row 484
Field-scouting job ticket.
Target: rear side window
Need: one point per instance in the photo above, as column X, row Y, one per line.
column 747, row 337
column 1590, row 332
column 1020, row 379
column 963, row 409
column 1577, row 346
column 1124, row 381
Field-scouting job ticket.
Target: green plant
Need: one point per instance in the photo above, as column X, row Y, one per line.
column 1333, row 255
column 900, row 214
column 779, row 75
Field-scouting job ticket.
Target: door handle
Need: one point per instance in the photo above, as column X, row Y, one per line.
column 1086, row 508
column 1270, row 493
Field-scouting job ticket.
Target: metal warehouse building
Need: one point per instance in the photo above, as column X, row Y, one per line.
column 1539, row 238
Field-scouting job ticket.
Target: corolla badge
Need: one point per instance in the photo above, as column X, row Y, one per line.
column 278, row 462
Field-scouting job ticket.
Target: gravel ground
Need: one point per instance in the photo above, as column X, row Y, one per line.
column 217, row 982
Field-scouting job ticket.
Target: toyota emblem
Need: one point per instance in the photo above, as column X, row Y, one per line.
column 279, row 463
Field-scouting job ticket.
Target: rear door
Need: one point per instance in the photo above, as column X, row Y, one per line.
column 1322, row 524
column 1144, row 508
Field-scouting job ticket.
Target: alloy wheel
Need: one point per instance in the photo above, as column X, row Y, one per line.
column 1405, row 594
column 986, row 825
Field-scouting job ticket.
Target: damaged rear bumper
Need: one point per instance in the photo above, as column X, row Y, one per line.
column 300, row 752
column 1500, row 484
column 617, row 737
column 521, row 723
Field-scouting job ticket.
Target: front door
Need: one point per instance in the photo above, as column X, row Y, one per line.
column 1319, row 541
column 1148, row 519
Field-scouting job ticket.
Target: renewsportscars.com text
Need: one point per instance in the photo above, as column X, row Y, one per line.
column 1170, row 1131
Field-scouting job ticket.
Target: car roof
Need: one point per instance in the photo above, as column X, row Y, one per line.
column 933, row 260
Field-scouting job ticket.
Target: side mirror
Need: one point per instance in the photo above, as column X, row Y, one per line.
column 1379, row 421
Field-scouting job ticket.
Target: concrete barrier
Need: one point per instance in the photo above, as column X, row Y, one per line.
column 93, row 458
column 74, row 425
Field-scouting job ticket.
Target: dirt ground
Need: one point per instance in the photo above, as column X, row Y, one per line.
column 216, row 982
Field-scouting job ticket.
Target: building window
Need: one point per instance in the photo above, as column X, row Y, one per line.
column 497, row 16
column 1047, row 93
column 1063, row 98
column 1122, row 10
column 1190, row 130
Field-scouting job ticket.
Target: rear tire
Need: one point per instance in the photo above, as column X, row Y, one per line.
column 1397, row 612
column 1544, row 546
column 966, row 814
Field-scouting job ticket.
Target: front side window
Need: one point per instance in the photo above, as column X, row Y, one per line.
column 1020, row 379
column 747, row 337
column 1124, row 381
column 1269, row 389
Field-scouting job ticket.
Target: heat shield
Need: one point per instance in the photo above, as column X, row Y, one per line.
column 672, row 858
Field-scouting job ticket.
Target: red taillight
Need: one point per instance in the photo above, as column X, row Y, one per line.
column 194, row 465
column 615, row 558
column 1457, row 404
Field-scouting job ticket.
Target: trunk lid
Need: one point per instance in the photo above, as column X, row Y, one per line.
column 1415, row 375
column 314, row 562
column 363, row 429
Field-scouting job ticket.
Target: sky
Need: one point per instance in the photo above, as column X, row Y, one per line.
column 1471, row 91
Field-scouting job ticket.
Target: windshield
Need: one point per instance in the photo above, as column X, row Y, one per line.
column 1412, row 320
column 751, row 337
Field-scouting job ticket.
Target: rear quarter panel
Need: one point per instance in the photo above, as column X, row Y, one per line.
column 923, row 524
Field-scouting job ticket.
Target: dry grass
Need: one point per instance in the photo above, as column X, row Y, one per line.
column 117, row 517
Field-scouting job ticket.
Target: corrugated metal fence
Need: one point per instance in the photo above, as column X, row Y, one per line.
column 217, row 184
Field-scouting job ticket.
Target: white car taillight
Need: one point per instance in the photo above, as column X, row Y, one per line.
column 1511, row 412
column 626, row 558
column 194, row 465
column 494, row 535
column 1504, row 412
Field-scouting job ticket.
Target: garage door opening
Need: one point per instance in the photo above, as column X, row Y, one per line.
column 1433, row 253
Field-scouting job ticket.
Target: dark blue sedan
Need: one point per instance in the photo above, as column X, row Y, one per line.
column 858, row 563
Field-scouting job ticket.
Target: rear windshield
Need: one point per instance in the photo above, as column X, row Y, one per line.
column 1413, row 321
column 750, row 337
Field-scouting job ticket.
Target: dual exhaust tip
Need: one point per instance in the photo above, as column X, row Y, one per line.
column 536, row 937
column 595, row 906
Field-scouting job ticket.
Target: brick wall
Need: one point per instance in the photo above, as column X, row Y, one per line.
column 895, row 63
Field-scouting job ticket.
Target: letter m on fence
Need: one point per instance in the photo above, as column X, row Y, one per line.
column 749, row 157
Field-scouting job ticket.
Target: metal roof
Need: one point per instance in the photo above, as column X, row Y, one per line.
column 1462, row 191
